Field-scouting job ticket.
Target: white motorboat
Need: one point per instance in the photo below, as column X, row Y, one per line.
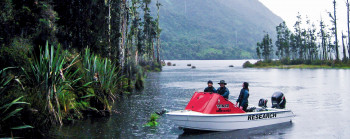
column 210, row 111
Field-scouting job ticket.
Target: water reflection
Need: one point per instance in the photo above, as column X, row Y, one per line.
column 318, row 97
column 278, row 131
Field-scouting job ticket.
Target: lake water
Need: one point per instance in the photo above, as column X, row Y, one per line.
column 320, row 99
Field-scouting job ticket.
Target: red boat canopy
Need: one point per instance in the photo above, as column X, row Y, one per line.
column 211, row 103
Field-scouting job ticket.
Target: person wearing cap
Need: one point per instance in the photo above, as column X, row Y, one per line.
column 210, row 87
column 222, row 90
column 243, row 97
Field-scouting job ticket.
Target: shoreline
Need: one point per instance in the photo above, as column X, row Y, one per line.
column 301, row 66
column 281, row 65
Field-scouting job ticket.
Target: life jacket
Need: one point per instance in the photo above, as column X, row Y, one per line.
column 209, row 89
column 221, row 90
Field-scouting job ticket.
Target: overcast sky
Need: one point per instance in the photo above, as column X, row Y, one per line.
column 314, row 9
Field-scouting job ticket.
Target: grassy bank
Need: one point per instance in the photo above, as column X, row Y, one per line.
column 299, row 64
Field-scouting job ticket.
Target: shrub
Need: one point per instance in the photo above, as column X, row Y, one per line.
column 51, row 78
column 10, row 109
column 16, row 54
column 247, row 64
column 106, row 77
column 139, row 83
column 285, row 61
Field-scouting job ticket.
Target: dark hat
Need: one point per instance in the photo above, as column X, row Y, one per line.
column 245, row 84
column 222, row 82
column 210, row 82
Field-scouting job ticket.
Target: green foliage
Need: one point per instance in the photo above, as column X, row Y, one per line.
column 52, row 78
column 139, row 83
column 105, row 75
column 266, row 47
column 10, row 110
column 300, row 63
column 153, row 120
column 247, row 64
column 282, row 42
column 61, row 84
column 16, row 53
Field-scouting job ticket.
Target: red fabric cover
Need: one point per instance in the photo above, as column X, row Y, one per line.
column 211, row 103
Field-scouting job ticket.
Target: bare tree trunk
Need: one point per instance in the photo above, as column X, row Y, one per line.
column 122, row 29
column 349, row 50
column 137, row 57
column 348, row 23
column 153, row 54
column 344, row 51
column 158, row 50
column 109, row 30
column 335, row 30
column 158, row 34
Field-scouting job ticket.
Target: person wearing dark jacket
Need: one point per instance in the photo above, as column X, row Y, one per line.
column 222, row 90
column 210, row 87
column 243, row 97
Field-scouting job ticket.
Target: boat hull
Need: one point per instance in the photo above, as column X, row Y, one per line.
column 227, row 122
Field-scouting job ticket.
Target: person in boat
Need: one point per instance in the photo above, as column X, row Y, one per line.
column 210, row 87
column 222, row 90
column 243, row 97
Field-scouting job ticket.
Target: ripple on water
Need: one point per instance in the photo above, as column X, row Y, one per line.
column 318, row 98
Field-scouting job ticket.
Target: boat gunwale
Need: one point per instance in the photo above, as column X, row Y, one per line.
column 212, row 129
column 198, row 114
column 193, row 120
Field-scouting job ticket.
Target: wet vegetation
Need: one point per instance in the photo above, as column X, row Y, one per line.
column 64, row 60
column 153, row 120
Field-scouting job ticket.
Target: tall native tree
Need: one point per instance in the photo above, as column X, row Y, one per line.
column 323, row 36
column 282, row 42
column 146, row 28
column 258, row 51
column 266, row 47
column 134, row 33
column 158, row 33
column 348, row 25
column 344, row 50
column 149, row 31
column 298, row 36
column 279, row 42
column 311, row 48
column 293, row 46
column 123, row 31
column 334, row 29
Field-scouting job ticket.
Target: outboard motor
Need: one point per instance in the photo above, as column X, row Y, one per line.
column 262, row 103
column 278, row 100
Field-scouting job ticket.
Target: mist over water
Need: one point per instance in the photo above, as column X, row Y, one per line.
column 318, row 97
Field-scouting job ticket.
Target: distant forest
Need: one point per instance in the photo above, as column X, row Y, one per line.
column 213, row 29
column 307, row 44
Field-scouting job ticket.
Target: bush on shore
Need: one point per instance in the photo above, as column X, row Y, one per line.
column 292, row 63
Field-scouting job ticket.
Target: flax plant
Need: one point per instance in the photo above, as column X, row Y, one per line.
column 52, row 76
column 106, row 77
column 10, row 108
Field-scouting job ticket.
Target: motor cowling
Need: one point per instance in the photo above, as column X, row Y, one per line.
column 263, row 103
column 278, row 100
